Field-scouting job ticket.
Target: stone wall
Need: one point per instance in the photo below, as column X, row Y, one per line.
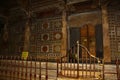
column 47, row 31
column 114, row 30
column 41, row 35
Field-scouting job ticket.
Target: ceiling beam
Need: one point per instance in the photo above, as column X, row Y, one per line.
column 69, row 2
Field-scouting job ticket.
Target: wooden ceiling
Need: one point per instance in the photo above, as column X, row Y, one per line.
column 73, row 6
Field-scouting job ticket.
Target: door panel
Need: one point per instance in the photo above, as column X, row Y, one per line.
column 74, row 36
column 87, row 38
column 99, row 41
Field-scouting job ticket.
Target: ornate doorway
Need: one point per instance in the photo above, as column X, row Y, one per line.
column 90, row 36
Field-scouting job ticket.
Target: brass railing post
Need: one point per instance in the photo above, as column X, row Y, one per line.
column 57, row 67
column 47, row 68
column 78, row 50
column 103, row 75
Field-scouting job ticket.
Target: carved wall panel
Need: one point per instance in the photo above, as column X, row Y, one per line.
column 46, row 35
column 114, row 30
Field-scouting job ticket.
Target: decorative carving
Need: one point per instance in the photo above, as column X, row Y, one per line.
column 57, row 48
column 47, row 35
column 45, row 48
column 58, row 36
column 44, row 37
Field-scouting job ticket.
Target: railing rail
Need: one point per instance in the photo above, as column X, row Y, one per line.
column 80, row 63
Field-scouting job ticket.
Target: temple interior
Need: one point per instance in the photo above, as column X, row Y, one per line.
column 52, row 28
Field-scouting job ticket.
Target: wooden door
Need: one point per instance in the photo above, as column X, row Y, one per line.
column 90, row 36
column 87, row 38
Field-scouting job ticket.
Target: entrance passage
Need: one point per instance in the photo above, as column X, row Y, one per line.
column 90, row 36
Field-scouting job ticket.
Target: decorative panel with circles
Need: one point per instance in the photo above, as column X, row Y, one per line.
column 48, row 35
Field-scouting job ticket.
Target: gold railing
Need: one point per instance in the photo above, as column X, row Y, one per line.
column 80, row 63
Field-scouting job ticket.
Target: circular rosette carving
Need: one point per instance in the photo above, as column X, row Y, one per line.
column 45, row 48
column 45, row 37
column 58, row 36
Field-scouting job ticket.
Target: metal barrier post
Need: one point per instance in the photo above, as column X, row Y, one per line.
column 47, row 68
column 35, row 74
column 18, row 67
column 57, row 67
column 26, row 71
column 103, row 75
column 117, row 69
column 31, row 68
column 40, row 69
column 78, row 49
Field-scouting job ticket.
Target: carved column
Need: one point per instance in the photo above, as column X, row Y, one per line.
column 106, row 39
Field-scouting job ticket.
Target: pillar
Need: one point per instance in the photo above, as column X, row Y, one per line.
column 27, row 35
column 106, row 39
column 64, row 32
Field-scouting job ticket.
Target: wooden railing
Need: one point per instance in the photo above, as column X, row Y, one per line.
column 80, row 63
column 118, row 69
column 39, row 68
column 15, row 68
